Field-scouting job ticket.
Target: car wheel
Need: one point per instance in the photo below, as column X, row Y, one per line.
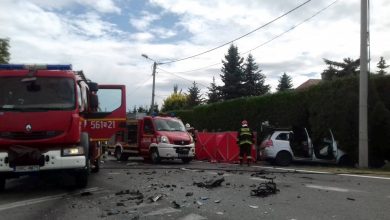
column 186, row 160
column 345, row 161
column 154, row 156
column 2, row 183
column 283, row 158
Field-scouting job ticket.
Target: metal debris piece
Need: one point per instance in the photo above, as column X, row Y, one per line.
column 204, row 198
column 189, row 194
column 217, row 201
column 259, row 173
column 199, row 202
column 210, row 183
column 85, row 193
column 254, row 206
column 265, row 189
column 155, row 198
column 351, row 199
column 176, row 205
column 219, row 213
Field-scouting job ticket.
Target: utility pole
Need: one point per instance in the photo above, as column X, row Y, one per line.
column 154, row 80
column 363, row 90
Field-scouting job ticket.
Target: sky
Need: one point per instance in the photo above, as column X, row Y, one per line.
column 106, row 38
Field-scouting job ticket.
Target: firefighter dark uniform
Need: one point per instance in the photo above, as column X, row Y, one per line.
column 245, row 141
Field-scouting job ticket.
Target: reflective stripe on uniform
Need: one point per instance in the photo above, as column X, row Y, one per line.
column 245, row 142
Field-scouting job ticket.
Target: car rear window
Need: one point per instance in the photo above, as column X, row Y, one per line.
column 282, row 137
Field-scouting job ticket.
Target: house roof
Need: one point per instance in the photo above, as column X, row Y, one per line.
column 308, row 83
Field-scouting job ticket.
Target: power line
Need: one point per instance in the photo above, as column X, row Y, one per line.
column 269, row 41
column 139, row 85
column 242, row 36
column 181, row 77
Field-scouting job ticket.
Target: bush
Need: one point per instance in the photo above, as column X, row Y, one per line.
column 332, row 104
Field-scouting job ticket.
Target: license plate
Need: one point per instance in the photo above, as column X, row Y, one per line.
column 183, row 155
column 31, row 168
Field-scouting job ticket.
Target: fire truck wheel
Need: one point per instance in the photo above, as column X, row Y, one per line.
column 81, row 177
column 2, row 183
column 96, row 166
column 154, row 156
column 119, row 155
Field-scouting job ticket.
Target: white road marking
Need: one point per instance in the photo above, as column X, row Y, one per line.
column 215, row 173
column 322, row 172
column 294, row 170
column 259, row 179
column 363, row 176
column 329, row 188
column 193, row 216
column 42, row 199
column 162, row 211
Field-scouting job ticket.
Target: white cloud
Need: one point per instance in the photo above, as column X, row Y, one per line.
column 110, row 55
column 143, row 22
column 103, row 6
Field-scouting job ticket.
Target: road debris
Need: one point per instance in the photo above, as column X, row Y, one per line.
column 85, row 193
column 260, row 173
column 351, row 199
column 155, row 198
column 204, row 198
column 217, row 201
column 189, row 194
column 210, row 183
column 265, row 189
column 134, row 195
column 199, row 202
column 219, row 213
column 254, row 206
column 176, row 205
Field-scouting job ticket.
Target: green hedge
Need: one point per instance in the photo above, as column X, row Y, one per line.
column 332, row 105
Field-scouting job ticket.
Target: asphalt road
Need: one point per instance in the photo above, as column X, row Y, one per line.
column 125, row 190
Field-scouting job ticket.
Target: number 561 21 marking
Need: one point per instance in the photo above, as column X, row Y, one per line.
column 102, row 124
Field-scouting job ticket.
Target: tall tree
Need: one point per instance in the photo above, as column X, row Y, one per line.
column 382, row 66
column 232, row 74
column 284, row 83
column 194, row 98
column 348, row 67
column 4, row 50
column 253, row 79
column 329, row 73
column 213, row 94
column 175, row 101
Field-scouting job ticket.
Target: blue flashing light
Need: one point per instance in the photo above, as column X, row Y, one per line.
column 11, row 66
column 59, row 67
column 35, row 67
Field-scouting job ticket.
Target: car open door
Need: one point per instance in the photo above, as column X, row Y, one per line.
column 334, row 145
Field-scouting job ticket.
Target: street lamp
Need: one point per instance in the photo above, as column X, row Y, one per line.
column 154, row 78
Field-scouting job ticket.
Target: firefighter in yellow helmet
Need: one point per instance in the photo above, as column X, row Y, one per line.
column 245, row 141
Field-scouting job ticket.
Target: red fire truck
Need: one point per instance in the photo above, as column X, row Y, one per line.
column 154, row 138
column 53, row 119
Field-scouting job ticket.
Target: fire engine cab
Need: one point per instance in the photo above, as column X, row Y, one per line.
column 53, row 119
